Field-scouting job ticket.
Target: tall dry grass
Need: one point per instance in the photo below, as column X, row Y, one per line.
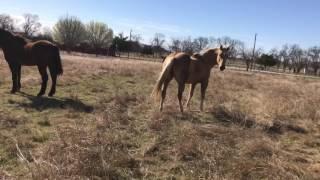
column 256, row 126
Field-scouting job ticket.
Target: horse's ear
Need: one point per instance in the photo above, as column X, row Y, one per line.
column 221, row 47
column 229, row 48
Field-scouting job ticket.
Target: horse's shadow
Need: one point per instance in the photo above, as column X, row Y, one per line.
column 43, row 103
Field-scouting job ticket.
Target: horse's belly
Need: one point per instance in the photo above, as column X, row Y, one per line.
column 196, row 77
column 193, row 80
column 29, row 61
column 28, row 64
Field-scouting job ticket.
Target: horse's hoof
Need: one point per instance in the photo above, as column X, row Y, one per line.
column 51, row 93
column 40, row 94
column 13, row 91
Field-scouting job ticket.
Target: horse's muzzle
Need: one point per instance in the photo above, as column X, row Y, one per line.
column 222, row 68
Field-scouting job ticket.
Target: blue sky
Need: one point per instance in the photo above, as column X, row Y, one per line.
column 276, row 21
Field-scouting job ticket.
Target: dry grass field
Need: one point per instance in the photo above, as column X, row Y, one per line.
column 102, row 124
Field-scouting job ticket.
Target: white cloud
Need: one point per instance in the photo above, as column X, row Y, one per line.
column 45, row 24
column 18, row 19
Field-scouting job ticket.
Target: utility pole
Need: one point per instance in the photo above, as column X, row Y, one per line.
column 254, row 49
column 129, row 47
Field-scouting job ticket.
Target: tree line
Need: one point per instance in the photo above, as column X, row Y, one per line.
column 69, row 32
column 97, row 38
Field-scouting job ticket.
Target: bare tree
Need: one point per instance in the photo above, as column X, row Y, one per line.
column 314, row 55
column 246, row 55
column 69, row 31
column 136, row 38
column 296, row 57
column 6, row 22
column 225, row 41
column 31, row 24
column 175, row 45
column 134, row 44
column 187, row 46
column 158, row 42
column 121, row 42
column 276, row 55
column 212, row 40
column 235, row 49
column 284, row 57
column 99, row 35
column 200, row 43
column 46, row 34
column 257, row 54
column 236, row 46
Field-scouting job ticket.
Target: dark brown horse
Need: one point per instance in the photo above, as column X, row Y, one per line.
column 189, row 70
column 18, row 52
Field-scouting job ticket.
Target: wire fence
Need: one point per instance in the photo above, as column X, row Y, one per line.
column 234, row 64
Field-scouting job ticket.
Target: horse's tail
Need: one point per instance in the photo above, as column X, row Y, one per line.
column 165, row 73
column 57, row 61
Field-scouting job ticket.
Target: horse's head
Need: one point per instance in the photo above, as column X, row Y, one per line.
column 222, row 57
column 1, row 37
column 4, row 35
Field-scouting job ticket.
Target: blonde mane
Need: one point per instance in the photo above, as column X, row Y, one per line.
column 205, row 51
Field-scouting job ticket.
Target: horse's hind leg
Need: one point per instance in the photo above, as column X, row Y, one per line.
column 54, row 81
column 44, row 76
column 164, row 92
column 192, row 86
column 180, row 92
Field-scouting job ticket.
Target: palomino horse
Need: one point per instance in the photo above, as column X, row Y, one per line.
column 18, row 51
column 189, row 70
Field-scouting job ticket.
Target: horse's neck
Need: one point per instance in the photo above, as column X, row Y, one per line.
column 210, row 58
column 15, row 43
column 20, row 41
column 14, row 48
column 6, row 49
column 198, row 62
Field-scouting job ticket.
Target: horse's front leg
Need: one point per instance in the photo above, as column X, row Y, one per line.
column 14, row 75
column 19, row 77
column 204, row 86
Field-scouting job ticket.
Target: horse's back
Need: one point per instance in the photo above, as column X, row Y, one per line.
column 176, row 57
column 182, row 56
column 39, row 52
column 40, row 44
column 179, row 59
column 180, row 65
